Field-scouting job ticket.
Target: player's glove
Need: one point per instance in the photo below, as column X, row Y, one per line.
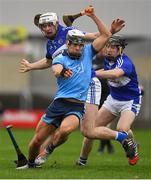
column 66, row 73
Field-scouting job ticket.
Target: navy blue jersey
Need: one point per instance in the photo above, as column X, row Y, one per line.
column 126, row 87
column 58, row 44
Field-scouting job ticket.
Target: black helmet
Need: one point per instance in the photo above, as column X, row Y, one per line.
column 118, row 40
column 76, row 37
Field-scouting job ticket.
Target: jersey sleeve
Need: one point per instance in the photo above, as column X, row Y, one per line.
column 91, row 51
column 48, row 54
column 58, row 60
column 125, row 65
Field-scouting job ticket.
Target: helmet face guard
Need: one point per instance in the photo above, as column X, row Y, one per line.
column 48, row 18
column 119, row 42
column 45, row 18
column 76, row 37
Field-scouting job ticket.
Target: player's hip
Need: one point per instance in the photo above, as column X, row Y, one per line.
column 94, row 91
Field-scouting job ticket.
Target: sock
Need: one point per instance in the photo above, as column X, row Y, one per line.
column 31, row 161
column 82, row 161
column 49, row 149
column 120, row 136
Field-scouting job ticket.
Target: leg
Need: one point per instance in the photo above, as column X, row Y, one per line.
column 103, row 117
column 49, row 140
column 124, row 124
column 85, row 151
column 42, row 132
column 60, row 136
column 87, row 124
column 68, row 125
column 106, row 143
column 73, row 112
column 87, row 128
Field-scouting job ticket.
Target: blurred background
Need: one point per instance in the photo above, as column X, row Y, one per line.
column 19, row 38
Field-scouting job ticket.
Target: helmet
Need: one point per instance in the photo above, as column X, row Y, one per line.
column 118, row 40
column 76, row 36
column 48, row 17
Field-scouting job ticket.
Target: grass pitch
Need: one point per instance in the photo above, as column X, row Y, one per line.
column 61, row 164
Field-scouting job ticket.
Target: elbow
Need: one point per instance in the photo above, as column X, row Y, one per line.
column 115, row 76
column 108, row 35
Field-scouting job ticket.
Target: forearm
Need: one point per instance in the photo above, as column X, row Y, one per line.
column 109, row 74
column 103, row 29
column 57, row 70
column 41, row 64
column 91, row 36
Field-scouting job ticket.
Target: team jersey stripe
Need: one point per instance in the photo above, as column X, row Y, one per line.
column 120, row 62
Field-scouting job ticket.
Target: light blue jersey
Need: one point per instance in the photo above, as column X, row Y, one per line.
column 77, row 85
column 126, row 87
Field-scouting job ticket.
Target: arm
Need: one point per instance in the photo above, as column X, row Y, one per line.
column 26, row 66
column 110, row 74
column 105, row 34
column 116, row 26
column 59, row 70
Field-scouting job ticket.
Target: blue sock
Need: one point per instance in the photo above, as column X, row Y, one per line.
column 121, row 136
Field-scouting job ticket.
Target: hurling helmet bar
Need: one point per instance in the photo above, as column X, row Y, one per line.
column 49, row 17
column 76, row 36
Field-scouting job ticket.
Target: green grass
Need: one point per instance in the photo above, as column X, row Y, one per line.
column 61, row 164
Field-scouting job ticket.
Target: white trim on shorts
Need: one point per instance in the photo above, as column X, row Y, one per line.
column 116, row 106
column 94, row 92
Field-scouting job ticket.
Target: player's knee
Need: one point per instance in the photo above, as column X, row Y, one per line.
column 65, row 131
column 87, row 133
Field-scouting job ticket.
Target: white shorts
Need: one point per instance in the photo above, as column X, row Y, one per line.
column 94, row 92
column 116, row 107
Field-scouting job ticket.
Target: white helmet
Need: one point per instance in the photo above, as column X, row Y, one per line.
column 48, row 17
column 76, row 36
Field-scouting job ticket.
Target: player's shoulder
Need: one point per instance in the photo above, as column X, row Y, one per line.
column 124, row 59
column 60, row 56
column 65, row 28
column 58, row 60
column 125, row 56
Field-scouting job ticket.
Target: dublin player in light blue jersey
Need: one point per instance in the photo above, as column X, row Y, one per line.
column 49, row 25
column 73, row 72
column 55, row 33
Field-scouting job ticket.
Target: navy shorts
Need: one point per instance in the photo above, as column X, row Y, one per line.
column 61, row 108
